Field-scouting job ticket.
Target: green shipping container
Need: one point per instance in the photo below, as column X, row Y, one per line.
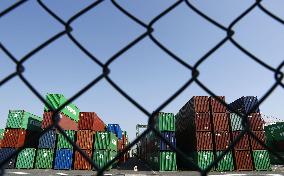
column 274, row 160
column 26, row 159
column 2, row 131
column 102, row 157
column 56, row 100
column 105, row 141
column 165, row 122
column 236, row 122
column 203, row 158
column 44, row 159
column 227, row 163
column 24, row 120
column 164, row 161
column 275, row 131
column 62, row 143
column 261, row 160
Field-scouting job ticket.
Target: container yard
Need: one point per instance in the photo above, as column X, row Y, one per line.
column 202, row 129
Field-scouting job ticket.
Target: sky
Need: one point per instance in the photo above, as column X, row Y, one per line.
column 145, row 72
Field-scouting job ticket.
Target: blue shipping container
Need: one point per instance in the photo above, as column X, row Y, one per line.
column 171, row 137
column 63, row 159
column 115, row 128
column 4, row 154
column 245, row 104
column 47, row 140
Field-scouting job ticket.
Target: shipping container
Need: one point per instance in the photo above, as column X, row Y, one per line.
column 227, row 163
column 222, row 140
column 202, row 158
column 80, row 163
column 245, row 105
column 200, row 122
column 220, row 121
column 164, row 161
column 261, row 160
column 44, row 159
column 65, row 122
column 26, row 159
column 62, row 142
column 236, row 122
column 216, row 106
column 23, row 120
column 56, row 100
column 203, row 141
column 63, row 159
column 165, row 121
column 2, row 132
column 6, row 153
column 105, row 141
column 115, row 129
column 256, row 145
column 275, row 131
column 102, row 157
column 90, row 121
column 15, row 138
column 48, row 140
column 243, row 144
column 85, row 139
column 119, row 145
column 243, row 160
column 256, row 122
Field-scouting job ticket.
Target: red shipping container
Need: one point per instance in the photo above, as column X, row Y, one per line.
column 216, row 106
column 15, row 138
column 124, row 139
column 80, row 163
column 220, row 121
column 65, row 122
column 120, row 144
column 85, row 139
column 200, row 103
column 243, row 144
column 204, row 141
column 254, row 144
column 202, row 122
column 256, row 122
column 243, row 160
column 222, row 140
column 90, row 121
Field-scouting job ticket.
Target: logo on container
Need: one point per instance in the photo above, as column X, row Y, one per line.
column 71, row 110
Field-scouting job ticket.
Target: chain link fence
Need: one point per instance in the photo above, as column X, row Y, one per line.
column 278, row 75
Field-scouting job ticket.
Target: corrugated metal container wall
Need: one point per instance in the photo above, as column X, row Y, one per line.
column 245, row 104
column 165, row 122
column 15, row 138
column 63, row 159
column 80, row 163
column 243, row 160
column 23, row 120
column 222, row 140
column 203, row 141
column 202, row 158
column 102, row 157
column 256, row 122
column 236, row 122
column 4, row 154
column 90, row 121
column 85, row 139
column 105, row 141
column 115, row 128
column 243, row 144
column 254, row 144
column 200, row 103
column 220, row 121
column 202, row 122
column 216, row 106
column 227, row 163
column 65, row 122
column 164, row 161
column 26, row 158
column 261, row 160
column 2, row 132
column 44, row 159
column 62, row 142
column 47, row 140
column 170, row 136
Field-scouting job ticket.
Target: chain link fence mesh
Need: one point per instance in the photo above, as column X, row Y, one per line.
column 278, row 75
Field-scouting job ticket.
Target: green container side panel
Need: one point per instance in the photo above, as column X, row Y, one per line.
column 56, row 100
column 163, row 161
column 63, row 143
column 44, row 159
column 236, row 122
column 227, row 163
column 24, row 120
column 202, row 158
column 26, row 158
column 274, row 160
column 2, row 131
column 165, row 122
column 261, row 160
column 105, row 141
column 275, row 131
column 102, row 157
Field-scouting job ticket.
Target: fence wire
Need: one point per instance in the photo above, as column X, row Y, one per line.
column 278, row 75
